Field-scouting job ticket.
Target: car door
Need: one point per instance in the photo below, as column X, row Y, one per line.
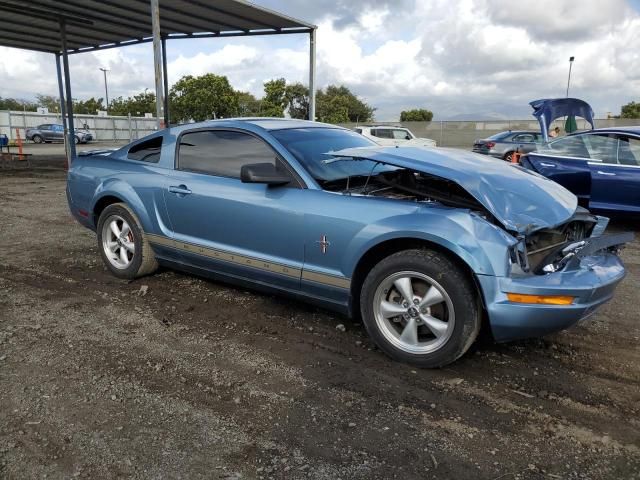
column 565, row 161
column 46, row 132
column 57, row 133
column 246, row 230
column 400, row 136
column 615, row 179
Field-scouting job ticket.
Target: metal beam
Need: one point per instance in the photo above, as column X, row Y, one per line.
column 209, row 6
column 41, row 28
column 71, row 134
column 312, row 75
column 63, row 108
column 165, row 77
column 157, row 61
column 179, row 37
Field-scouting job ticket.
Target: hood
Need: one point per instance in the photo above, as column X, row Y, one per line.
column 520, row 199
column 547, row 110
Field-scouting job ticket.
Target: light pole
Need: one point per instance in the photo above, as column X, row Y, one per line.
column 106, row 90
column 571, row 59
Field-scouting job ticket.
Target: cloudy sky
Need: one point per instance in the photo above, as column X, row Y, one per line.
column 459, row 58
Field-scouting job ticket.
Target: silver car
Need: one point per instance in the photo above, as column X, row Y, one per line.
column 504, row 144
column 52, row 132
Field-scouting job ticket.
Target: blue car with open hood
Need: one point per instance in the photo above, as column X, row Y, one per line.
column 425, row 245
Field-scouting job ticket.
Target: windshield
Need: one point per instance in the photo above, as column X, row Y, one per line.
column 311, row 146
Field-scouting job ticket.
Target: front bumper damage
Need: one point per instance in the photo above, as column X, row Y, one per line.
column 590, row 274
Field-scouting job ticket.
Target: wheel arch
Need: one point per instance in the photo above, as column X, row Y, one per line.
column 120, row 192
column 388, row 247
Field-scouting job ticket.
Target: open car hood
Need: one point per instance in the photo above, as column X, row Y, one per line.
column 520, row 199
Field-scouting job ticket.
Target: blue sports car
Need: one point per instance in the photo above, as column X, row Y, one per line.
column 425, row 245
column 601, row 166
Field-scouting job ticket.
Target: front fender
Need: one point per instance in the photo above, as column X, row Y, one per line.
column 480, row 244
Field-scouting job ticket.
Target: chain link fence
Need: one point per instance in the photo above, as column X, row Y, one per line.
column 104, row 128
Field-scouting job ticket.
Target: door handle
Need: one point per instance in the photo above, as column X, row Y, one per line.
column 608, row 174
column 552, row 165
column 180, row 190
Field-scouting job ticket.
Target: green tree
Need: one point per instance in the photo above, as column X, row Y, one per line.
column 48, row 101
column 416, row 115
column 17, row 104
column 337, row 104
column 90, row 106
column 630, row 110
column 137, row 105
column 297, row 101
column 274, row 101
column 201, row 98
column 248, row 105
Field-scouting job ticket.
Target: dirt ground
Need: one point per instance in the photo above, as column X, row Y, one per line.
column 196, row 379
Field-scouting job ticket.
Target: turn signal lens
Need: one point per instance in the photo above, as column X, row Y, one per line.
column 540, row 299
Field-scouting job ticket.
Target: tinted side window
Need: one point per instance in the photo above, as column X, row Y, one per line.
column 629, row 151
column 400, row 134
column 357, row 130
column 569, row 147
column 384, row 133
column 44, row 127
column 221, row 153
column 602, row 147
column 524, row 138
column 147, row 151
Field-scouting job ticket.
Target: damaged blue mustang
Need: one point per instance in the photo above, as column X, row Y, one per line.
column 425, row 245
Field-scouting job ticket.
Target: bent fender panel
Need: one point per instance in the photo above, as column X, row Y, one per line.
column 482, row 246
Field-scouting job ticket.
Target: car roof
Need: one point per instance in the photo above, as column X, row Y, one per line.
column 630, row 129
column 261, row 123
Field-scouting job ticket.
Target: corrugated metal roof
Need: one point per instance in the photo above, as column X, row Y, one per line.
column 93, row 24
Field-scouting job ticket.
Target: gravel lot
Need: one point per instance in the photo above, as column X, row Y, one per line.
column 174, row 376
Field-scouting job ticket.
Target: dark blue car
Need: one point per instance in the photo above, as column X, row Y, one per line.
column 423, row 244
column 601, row 167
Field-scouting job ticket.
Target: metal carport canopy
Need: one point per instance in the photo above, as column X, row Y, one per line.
column 76, row 26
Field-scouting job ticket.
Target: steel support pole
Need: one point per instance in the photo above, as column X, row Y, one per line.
column 312, row 75
column 71, row 133
column 63, row 108
column 157, row 61
column 165, row 78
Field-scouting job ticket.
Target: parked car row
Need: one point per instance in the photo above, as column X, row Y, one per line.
column 52, row 132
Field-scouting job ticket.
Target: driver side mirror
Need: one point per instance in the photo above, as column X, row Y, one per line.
column 266, row 173
column 408, row 137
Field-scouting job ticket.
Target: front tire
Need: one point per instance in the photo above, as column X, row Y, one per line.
column 37, row 139
column 420, row 308
column 123, row 245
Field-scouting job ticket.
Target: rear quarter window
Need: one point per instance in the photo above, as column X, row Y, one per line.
column 147, row 151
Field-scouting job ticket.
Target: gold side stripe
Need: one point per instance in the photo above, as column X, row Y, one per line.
column 234, row 258
column 332, row 280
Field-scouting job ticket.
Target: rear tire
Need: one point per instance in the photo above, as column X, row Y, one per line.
column 440, row 320
column 508, row 157
column 123, row 246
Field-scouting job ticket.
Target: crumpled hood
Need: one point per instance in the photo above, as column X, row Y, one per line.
column 521, row 200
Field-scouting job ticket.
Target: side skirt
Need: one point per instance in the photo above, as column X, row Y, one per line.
column 339, row 307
